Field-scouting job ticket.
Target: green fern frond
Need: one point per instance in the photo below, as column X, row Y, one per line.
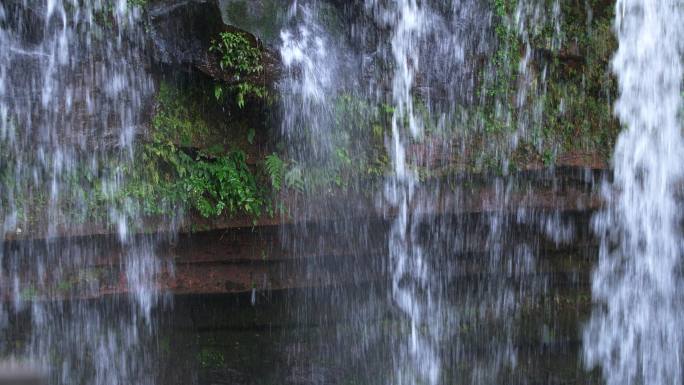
column 294, row 179
column 275, row 168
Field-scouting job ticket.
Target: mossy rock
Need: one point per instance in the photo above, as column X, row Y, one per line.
column 263, row 18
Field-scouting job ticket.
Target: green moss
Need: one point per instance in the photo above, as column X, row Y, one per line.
column 191, row 161
column 137, row 3
column 173, row 170
column 210, row 358
column 570, row 90
column 499, row 83
column 352, row 155
column 211, row 181
column 29, row 293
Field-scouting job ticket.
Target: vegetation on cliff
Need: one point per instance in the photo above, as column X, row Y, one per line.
column 552, row 83
column 212, row 180
column 214, row 146
column 238, row 56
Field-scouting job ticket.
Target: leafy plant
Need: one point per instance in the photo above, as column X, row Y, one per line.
column 222, row 185
column 210, row 358
column 275, row 168
column 29, row 293
column 237, row 53
column 239, row 56
column 212, row 181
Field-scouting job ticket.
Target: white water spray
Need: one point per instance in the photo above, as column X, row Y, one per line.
column 72, row 90
column 636, row 336
column 311, row 83
column 418, row 360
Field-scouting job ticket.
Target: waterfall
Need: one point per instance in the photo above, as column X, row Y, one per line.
column 417, row 360
column 72, row 89
column 420, row 58
column 405, row 145
column 422, row 272
column 310, row 85
column 635, row 336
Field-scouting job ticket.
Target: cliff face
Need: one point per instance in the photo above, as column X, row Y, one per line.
column 327, row 245
column 194, row 127
column 207, row 112
column 555, row 170
column 521, row 99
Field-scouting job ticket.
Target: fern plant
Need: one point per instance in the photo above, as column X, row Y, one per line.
column 275, row 168
column 294, row 179
column 212, row 181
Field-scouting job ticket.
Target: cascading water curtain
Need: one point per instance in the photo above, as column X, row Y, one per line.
column 636, row 334
column 309, row 86
column 72, row 86
column 417, row 359
column 422, row 34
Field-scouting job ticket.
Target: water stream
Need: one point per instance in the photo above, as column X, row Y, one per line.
column 73, row 84
column 635, row 337
column 432, row 296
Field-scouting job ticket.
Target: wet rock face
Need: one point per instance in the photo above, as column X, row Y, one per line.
column 263, row 18
column 181, row 33
column 60, row 68
column 13, row 373
column 27, row 21
column 266, row 18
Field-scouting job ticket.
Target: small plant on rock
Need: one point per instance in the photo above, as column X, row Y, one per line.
column 239, row 56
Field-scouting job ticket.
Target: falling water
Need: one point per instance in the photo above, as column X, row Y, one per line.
column 431, row 52
column 635, row 337
column 433, row 272
column 422, row 274
column 310, row 85
column 531, row 17
column 72, row 90
column 418, row 362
